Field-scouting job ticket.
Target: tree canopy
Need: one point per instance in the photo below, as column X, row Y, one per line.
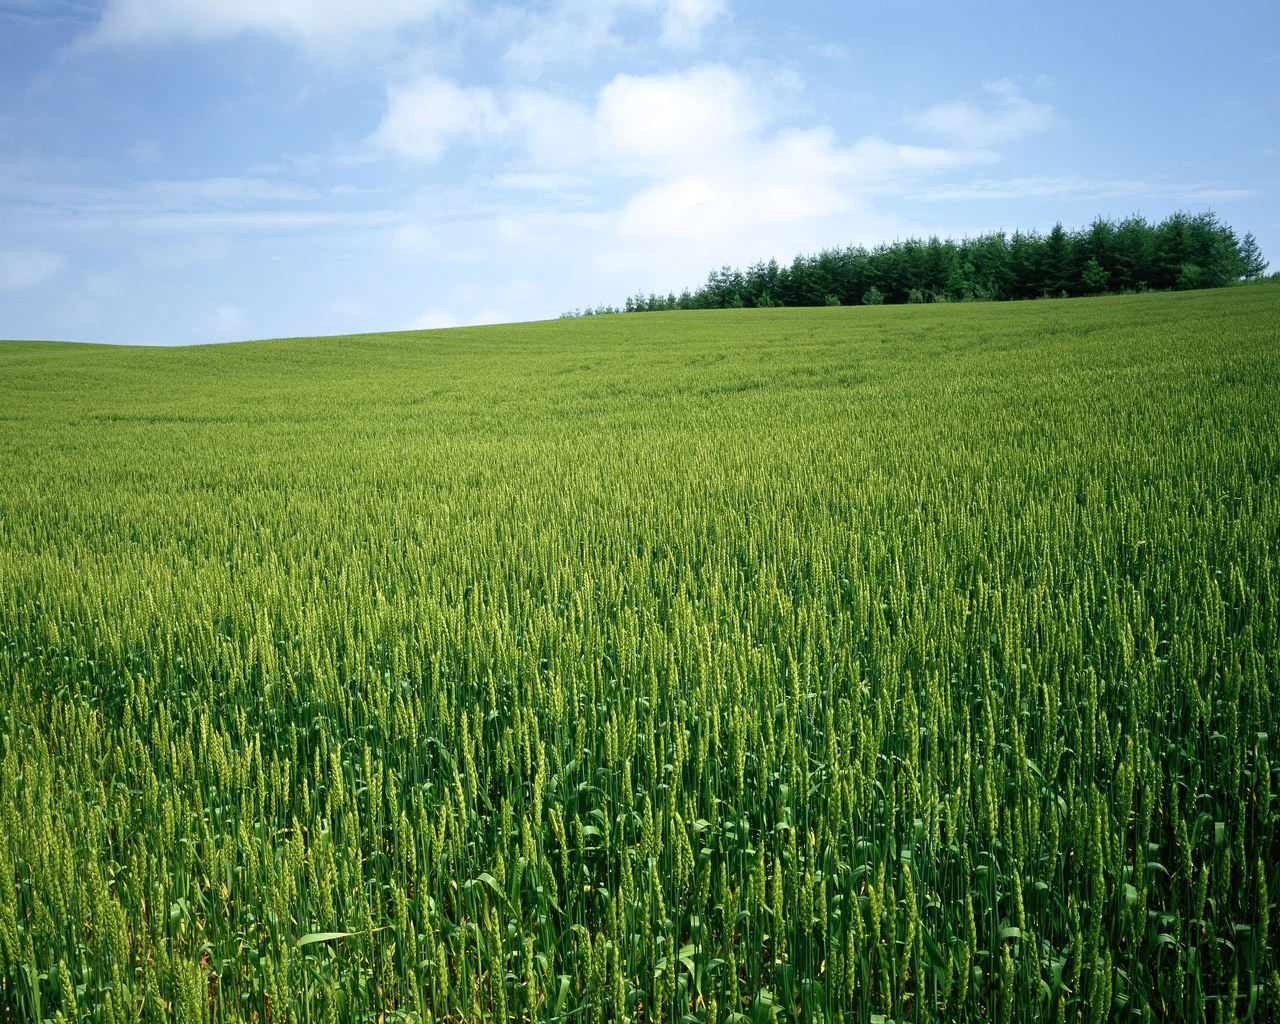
column 1183, row 251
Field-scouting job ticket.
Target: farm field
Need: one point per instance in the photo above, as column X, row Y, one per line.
column 857, row 664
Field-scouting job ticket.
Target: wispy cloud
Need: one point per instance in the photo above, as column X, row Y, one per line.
column 685, row 21
column 21, row 269
column 1067, row 188
column 572, row 32
column 53, row 205
column 1037, row 187
column 1215, row 193
column 565, row 34
column 1008, row 115
column 127, row 22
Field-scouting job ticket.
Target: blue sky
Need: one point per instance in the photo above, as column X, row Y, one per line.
column 181, row 171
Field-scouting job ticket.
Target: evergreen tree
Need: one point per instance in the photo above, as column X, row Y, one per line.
column 912, row 266
column 938, row 259
column 1094, row 277
column 1252, row 263
column 1057, row 262
column 1133, row 254
column 989, row 256
column 1100, row 244
column 1173, row 252
column 1024, row 261
column 1182, row 251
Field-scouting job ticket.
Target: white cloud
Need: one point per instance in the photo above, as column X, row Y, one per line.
column 684, row 21
column 775, row 196
column 683, row 170
column 52, row 190
column 227, row 192
column 21, row 269
column 434, row 320
column 708, row 121
column 670, row 123
column 557, row 132
column 143, row 21
column 1010, row 116
column 642, row 125
column 1071, row 188
column 571, row 32
column 1215, row 194
column 1039, row 187
column 568, row 33
column 724, row 180
column 194, row 218
column 424, row 118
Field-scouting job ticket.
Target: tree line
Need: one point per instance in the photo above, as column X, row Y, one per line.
column 1183, row 251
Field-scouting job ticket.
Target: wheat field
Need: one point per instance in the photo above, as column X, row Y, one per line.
column 855, row 664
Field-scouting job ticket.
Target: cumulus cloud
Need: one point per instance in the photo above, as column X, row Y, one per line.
column 676, row 169
column 777, row 194
column 1009, row 115
column 666, row 123
column 427, row 116
column 680, row 170
column 645, row 125
column 144, row 21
